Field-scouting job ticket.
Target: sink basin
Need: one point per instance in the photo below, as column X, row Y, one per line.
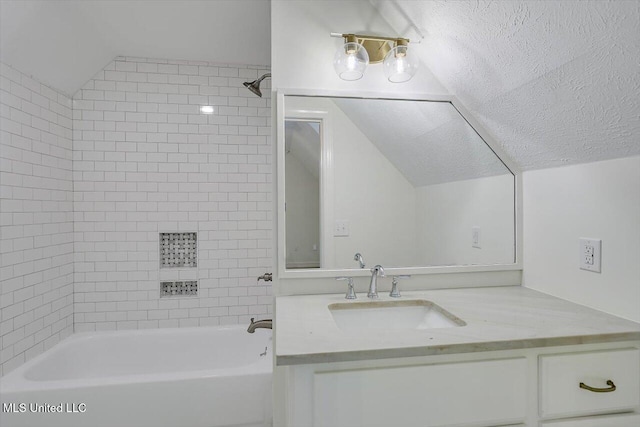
column 392, row 315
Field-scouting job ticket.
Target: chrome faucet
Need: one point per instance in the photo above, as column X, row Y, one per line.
column 266, row 323
column 358, row 257
column 373, row 285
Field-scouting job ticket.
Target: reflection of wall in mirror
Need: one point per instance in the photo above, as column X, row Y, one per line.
column 368, row 192
column 391, row 221
column 375, row 197
column 302, row 214
column 451, row 210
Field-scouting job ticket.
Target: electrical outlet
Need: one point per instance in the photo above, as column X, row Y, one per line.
column 341, row 228
column 475, row 237
column 590, row 254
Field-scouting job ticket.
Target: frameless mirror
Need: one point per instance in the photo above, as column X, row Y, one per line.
column 405, row 183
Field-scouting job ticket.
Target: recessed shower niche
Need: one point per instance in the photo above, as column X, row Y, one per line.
column 178, row 250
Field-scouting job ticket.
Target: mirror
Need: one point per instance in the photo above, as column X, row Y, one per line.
column 405, row 183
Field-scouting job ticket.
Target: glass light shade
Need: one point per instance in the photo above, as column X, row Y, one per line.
column 399, row 65
column 350, row 61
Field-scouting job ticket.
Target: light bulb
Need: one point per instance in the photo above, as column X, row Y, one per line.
column 399, row 65
column 350, row 61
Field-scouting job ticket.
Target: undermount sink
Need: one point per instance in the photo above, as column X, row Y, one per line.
column 392, row 315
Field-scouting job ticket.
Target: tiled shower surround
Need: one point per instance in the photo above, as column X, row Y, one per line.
column 36, row 219
column 148, row 161
column 101, row 178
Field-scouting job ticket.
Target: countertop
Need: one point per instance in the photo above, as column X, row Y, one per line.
column 497, row 318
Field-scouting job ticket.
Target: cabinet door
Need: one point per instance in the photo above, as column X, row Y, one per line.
column 627, row 420
column 561, row 375
column 482, row 393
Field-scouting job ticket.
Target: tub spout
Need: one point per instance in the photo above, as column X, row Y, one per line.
column 266, row 323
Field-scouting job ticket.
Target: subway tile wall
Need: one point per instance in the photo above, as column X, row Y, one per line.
column 146, row 160
column 36, row 218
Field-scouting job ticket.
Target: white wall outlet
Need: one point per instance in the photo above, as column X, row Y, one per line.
column 590, row 254
column 341, row 228
column 475, row 237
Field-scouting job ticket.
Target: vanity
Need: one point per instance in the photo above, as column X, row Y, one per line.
column 511, row 356
column 420, row 188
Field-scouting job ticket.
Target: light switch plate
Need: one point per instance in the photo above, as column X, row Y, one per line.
column 590, row 254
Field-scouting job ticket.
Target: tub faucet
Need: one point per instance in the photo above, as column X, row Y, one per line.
column 373, row 285
column 266, row 323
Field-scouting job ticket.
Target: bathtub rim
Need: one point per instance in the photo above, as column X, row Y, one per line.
column 16, row 381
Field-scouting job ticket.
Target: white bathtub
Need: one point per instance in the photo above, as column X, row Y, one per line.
column 189, row 377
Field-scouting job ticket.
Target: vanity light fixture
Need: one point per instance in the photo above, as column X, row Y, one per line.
column 358, row 51
column 206, row 109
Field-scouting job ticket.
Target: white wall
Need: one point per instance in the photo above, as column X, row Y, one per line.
column 147, row 161
column 596, row 200
column 36, row 218
column 301, row 57
column 374, row 197
column 368, row 192
column 303, row 214
column 447, row 213
column 302, row 50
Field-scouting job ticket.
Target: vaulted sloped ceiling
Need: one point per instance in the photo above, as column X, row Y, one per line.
column 556, row 82
column 64, row 43
column 428, row 142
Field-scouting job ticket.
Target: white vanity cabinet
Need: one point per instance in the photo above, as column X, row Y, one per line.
column 532, row 387
column 518, row 360
column 489, row 392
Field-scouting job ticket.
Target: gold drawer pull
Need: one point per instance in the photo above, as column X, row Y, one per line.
column 612, row 387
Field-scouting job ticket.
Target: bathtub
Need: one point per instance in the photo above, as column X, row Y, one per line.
column 190, row 377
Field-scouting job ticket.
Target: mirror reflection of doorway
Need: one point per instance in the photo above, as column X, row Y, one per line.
column 303, row 152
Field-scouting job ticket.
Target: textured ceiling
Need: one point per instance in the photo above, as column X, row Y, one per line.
column 556, row 82
column 65, row 42
column 428, row 142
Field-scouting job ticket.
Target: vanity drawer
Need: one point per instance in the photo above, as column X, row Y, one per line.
column 561, row 375
column 484, row 393
column 623, row 420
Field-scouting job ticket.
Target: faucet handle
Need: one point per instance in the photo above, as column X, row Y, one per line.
column 267, row 277
column 395, row 293
column 351, row 293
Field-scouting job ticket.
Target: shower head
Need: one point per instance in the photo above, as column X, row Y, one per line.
column 254, row 86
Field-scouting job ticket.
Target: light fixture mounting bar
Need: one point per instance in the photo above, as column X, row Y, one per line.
column 373, row 38
column 377, row 46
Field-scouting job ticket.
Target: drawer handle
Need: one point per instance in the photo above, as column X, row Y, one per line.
column 612, row 387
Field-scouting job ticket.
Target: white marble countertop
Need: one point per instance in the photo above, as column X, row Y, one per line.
column 497, row 318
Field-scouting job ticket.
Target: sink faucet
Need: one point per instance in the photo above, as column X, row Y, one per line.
column 373, row 285
column 266, row 323
column 358, row 257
